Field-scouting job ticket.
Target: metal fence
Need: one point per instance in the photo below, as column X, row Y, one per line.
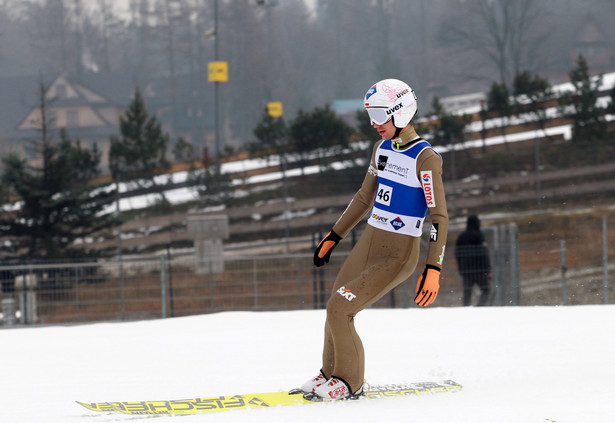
column 536, row 272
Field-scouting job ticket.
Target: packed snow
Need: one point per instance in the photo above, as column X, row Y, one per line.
column 516, row 364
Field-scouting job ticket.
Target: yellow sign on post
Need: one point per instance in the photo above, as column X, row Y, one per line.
column 218, row 72
column 275, row 109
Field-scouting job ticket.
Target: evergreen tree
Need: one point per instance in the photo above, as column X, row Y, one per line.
column 364, row 125
column 271, row 137
column 611, row 106
column 498, row 101
column 183, row 151
column 139, row 153
column 213, row 187
column 316, row 130
column 272, row 141
column 56, row 204
column 531, row 92
column 450, row 128
column 581, row 105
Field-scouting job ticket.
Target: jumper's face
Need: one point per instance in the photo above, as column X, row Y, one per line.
column 386, row 130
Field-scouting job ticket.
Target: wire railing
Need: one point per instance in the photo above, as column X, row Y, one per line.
column 540, row 272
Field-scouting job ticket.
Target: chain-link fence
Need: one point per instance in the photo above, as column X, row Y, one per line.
column 535, row 272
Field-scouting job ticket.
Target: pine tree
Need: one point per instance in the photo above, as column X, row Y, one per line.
column 271, row 136
column 498, row 101
column 56, row 204
column 581, row 105
column 316, row 130
column 272, row 139
column 610, row 109
column 450, row 128
column 139, row 153
column 364, row 126
column 531, row 92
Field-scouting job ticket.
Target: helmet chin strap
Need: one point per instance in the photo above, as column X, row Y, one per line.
column 396, row 145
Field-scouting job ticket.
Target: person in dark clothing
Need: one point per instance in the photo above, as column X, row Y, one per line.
column 473, row 261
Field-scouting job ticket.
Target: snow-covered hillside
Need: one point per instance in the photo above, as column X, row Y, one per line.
column 516, row 364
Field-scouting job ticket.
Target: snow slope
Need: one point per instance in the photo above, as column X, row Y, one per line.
column 516, row 364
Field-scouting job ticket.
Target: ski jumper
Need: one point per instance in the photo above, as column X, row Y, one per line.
column 402, row 184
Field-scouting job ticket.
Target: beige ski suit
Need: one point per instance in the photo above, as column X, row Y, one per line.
column 384, row 256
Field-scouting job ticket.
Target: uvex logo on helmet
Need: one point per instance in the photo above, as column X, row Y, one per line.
column 405, row 91
column 394, row 109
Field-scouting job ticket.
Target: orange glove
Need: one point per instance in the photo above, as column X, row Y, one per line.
column 325, row 248
column 427, row 286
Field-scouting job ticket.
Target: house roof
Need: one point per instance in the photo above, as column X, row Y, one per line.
column 19, row 96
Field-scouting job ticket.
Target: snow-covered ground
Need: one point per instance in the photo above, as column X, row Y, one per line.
column 516, row 364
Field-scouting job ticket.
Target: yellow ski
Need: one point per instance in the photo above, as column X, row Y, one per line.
column 262, row 400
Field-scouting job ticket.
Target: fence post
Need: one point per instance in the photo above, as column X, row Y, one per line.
column 255, row 283
column 163, row 286
column 497, row 273
column 315, row 271
column 496, row 295
column 9, row 310
column 25, row 285
column 515, row 283
column 605, row 262
column 562, row 249
column 122, row 288
column 299, row 279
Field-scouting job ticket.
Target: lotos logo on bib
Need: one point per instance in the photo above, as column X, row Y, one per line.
column 427, row 181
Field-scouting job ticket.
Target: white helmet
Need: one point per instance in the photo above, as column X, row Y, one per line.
column 391, row 98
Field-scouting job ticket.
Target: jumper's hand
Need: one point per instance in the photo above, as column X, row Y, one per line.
column 325, row 248
column 427, row 286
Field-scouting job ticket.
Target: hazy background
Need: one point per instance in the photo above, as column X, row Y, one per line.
column 302, row 54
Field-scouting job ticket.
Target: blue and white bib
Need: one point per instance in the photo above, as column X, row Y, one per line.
column 402, row 199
